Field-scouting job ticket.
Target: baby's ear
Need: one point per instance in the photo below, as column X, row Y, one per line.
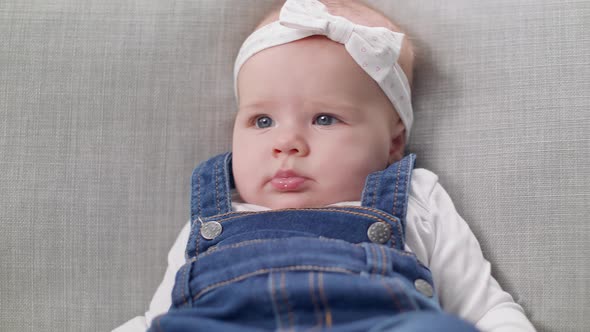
column 398, row 143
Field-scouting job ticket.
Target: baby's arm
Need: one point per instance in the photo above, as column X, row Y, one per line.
column 463, row 276
column 162, row 298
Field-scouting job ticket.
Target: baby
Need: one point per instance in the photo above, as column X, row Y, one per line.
column 316, row 220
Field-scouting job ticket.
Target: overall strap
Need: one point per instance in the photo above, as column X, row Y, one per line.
column 388, row 190
column 211, row 185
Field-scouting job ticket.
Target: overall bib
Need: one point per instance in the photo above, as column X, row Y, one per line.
column 332, row 268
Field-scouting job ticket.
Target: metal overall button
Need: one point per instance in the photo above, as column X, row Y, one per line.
column 424, row 287
column 379, row 232
column 210, row 229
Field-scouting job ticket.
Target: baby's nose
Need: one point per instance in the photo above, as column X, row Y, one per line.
column 292, row 145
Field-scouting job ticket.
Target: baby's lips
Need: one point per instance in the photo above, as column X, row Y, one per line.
column 292, row 183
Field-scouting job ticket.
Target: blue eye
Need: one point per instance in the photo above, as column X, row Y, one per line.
column 263, row 122
column 325, row 120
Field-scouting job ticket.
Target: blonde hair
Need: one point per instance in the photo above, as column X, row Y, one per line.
column 360, row 13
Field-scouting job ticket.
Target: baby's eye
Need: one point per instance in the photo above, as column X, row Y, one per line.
column 263, row 122
column 325, row 120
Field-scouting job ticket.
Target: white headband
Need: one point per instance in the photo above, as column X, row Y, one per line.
column 375, row 49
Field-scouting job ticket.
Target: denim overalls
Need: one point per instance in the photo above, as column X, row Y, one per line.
column 338, row 268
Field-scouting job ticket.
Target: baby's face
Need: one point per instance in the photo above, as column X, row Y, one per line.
column 311, row 126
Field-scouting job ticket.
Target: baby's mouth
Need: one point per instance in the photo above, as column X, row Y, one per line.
column 287, row 180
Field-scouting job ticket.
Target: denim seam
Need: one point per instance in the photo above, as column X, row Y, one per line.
column 192, row 259
column 196, row 235
column 184, row 298
column 328, row 210
column 375, row 186
column 316, row 308
column 398, row 306
column 374, row 259
column 393, row 219
column 269, row 270
column 383, row 261
column 285, row 296
column 328, row 312
column 197, row 242
column 158, row 326
column 190, row 237
column 406, row 182
column 231, row 213
column 403, row 252
column 275, row 303
column 378, row 212
column 226, row 182
column 217, row 194
column 215, row 249
column 366, row 193
column 396, row 190
column 410, row 299
column 370, row 260
column 235, row 214
column 199, row 211
column 390, row 218
column 393, row 239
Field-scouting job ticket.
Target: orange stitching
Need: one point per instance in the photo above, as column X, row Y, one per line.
column 393, row 219
column 386, row 216
column 184, row 299
column 199, row 195
column 410, row 299
column 316, row 307
column 383, row 261
column 236, row 214
column 158, row 326
column 404, row 253
column 392, row 294
column 396, row 189
column 374, row 253
column 199, row 213
column 263, row 271
column 408, row 175
column 216, row 249
column 375, row 191
column 274, row 301
column 324, row 301
column 286, row 299
column 217, row 189
column 197, row 237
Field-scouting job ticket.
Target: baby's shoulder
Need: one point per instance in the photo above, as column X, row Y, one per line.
column 422, row 184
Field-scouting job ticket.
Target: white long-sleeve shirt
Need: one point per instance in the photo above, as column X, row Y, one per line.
column 441, row 240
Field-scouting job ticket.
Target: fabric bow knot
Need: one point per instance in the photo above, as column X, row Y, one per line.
column 375, row 49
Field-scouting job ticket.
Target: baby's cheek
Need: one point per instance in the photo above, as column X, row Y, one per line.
column 241, row 169
column 246, row 190
column 367, row 158
column 348, row 178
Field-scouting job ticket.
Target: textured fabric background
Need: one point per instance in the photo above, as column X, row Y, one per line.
column 106, row 106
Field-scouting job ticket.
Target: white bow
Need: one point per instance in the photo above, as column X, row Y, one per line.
column 379, row 45
column 375, row 49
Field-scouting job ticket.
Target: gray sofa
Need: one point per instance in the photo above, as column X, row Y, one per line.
column 106, row 106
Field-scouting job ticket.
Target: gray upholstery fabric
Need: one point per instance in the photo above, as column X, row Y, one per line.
column 106, row 106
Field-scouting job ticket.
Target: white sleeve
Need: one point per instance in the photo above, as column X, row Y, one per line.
column 162, row 299
column 462, row 275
